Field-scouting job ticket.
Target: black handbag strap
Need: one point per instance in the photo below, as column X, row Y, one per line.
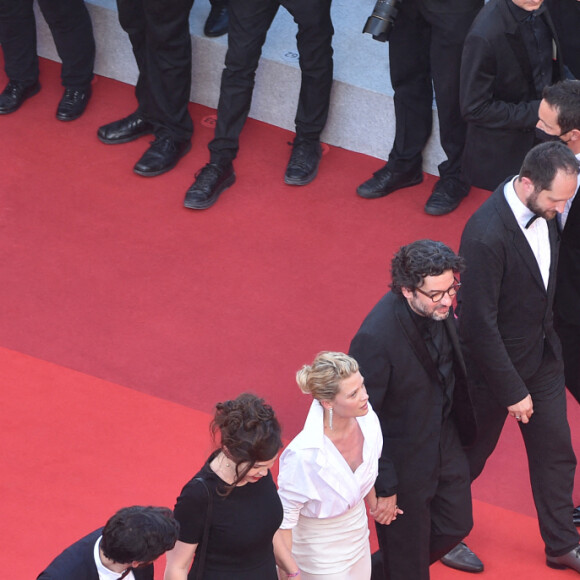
column 201, row 555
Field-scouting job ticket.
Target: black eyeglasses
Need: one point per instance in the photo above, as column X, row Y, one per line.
column 438, row 296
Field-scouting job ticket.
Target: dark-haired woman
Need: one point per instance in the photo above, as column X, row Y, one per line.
column 326, row 472
column 245, row 510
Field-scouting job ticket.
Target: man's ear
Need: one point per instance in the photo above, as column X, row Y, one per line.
column 574, row 135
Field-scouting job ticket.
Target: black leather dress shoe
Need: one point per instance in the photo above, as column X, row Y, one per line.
column 163, row 155
column 462, row 558
column 303, row 165
column 576, row 516
column 125, row 130
column 569, row 560
column 14, row 94
column 208, row 185
column 217, row 20
column 73, row 104
column 385, row 181
column 447, row 195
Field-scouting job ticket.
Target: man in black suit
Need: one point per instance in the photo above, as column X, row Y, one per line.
column 128, row 544
column 511, row 349
column 161, row 41
column 72, row 31
column 566, row 17
column 511, row 53
column 414, row 373
column 559, row 118
column 424, row 53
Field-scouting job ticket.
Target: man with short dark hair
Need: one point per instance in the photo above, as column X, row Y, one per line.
column 414, row 373
column 125, row 548
column 511, row 349
column 559, row 118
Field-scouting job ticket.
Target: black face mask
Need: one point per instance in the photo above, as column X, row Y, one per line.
column 544, row 137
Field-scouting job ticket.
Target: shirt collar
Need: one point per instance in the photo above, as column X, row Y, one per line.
column 314, row 424
column 521, row 15
column 521, row 212
column 102, row 570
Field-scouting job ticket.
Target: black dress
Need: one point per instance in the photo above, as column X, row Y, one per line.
column 242, row 526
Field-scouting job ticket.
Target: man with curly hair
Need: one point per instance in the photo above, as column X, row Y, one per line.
column 414, row 373
column 125, row 548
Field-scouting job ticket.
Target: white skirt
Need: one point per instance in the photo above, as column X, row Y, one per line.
column 333, row 548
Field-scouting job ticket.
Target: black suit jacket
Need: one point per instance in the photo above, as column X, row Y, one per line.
column 406, row 393
column 498, row 97
column 566, row 17
column 505, row 311
column 567, row 303
column 77, row 562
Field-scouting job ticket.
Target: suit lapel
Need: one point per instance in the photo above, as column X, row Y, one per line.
column 516, row 42
column 554, row 238
column 452, row 334
column 558, row 72
column 520, row 242
column 414, row 337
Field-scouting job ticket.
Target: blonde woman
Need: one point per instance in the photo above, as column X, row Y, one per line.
column 325, row 474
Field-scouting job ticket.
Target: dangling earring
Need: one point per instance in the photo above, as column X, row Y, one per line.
column 330, row 418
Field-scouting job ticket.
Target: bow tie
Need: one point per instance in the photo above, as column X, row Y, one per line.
column 531, row 221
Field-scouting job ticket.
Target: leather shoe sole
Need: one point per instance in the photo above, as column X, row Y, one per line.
column 191, row 202
column 73, row 104
column 384, row 182
column 13, row 105
column 141, row 165
column 217, row 22
column 304, row 180
column 570, row 560
column 462, row 558
column 126, row 130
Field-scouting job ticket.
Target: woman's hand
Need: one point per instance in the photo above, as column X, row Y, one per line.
column 385, row 510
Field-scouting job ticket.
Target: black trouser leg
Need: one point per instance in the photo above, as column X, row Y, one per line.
column 18, row 39
column 448, row 33
column 71, row 27
column 248, row 26
column 314, row 41
column 552, row 465
column 570, row 337
column 159, row 34
column 411, row 80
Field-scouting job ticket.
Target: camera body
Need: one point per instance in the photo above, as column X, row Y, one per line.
column 380, row 22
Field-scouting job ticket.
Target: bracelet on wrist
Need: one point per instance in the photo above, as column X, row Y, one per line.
column 293, row 575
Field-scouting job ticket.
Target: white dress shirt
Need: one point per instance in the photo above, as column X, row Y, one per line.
column 105, row 573
column 537, row 233
column 315, row 480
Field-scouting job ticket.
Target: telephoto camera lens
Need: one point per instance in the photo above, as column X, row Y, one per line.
column 380, row 22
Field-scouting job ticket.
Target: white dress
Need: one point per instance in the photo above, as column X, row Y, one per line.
column 323, row 500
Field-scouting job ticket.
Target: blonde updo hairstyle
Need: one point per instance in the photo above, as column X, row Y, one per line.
column 322, row 378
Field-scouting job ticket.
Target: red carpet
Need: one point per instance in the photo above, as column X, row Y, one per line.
column 160, row 312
